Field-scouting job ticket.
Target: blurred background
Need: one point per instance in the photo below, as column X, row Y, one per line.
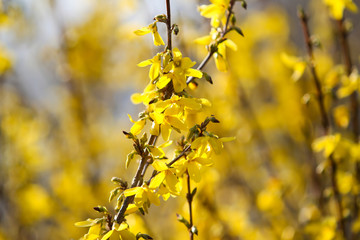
column 67, row 71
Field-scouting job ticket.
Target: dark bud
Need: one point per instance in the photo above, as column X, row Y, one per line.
column 214, row 120
column 175, row 28
column 233, row 19
column 193, row 192
column 244, row 4
column 101, row 209
column 161, row 18
column 143, row 236
column 208, row 78
column 238, row 30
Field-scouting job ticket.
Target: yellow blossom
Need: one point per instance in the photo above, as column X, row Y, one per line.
column 152, row 28
column 167, row 176
column 143, row 195
column 337, row 7
column 216, row 11
column 298, row 65
column 179, row 70
column 155, row 68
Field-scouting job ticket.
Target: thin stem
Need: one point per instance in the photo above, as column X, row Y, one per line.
column 135, row 182
column 189, row 198
column 354, row 107
column 168, row 25
column 324, row 120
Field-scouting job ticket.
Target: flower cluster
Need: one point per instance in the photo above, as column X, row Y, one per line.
column 168, row 107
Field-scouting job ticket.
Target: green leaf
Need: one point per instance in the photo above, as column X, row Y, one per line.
column 87, row 223
column 114, row 193
column 181, row 219
column 193, row 192
column 101, row 209
column 130, row 157
column 207, row 77
column 238, row 30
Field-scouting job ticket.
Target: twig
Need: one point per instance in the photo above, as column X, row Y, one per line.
column 354, row 107
column 324, row 119
column 168, row 25
column 189, row 198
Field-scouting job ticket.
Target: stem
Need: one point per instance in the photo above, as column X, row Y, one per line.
column 189, row 198
column 168, row 25
column 135, row 182
column 140, row 172
column 354, row 107
column 324, row 120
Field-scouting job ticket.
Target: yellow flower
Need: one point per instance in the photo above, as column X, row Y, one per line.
column 150, row 92
column 143, row 195
column 326, row 143
column 298, row 65
column 152, row 28
column 220, row 54
column 155, row 68
column 179, row 69
column 349, row 84
column 138, row 125
column 216, row 11
column 337, row 7
column 165, row 176
column 172, row 113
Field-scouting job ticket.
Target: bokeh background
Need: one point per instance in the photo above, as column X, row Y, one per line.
column 67, row 71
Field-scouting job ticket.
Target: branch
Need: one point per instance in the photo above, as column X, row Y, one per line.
column 143, row 165
column 324, row 118
column 189, row 198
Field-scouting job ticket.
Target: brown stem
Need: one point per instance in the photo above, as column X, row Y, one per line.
column 139, row 175
column 354, row 107
column 324, row 120
column 168, row 25
column 189, row 198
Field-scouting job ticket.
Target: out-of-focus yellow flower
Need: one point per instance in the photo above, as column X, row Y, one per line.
column 342, row 116
column 216, row 11
column 152, row 28
column 5, row 60
column 327, row 144
column 350, row 84
column 298, row 65
column 337, row 7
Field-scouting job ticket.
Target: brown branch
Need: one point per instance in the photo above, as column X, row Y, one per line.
column 189, row 198
column 354, row 107
column 143, row 165
column 168, row 25
column 324, row 120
